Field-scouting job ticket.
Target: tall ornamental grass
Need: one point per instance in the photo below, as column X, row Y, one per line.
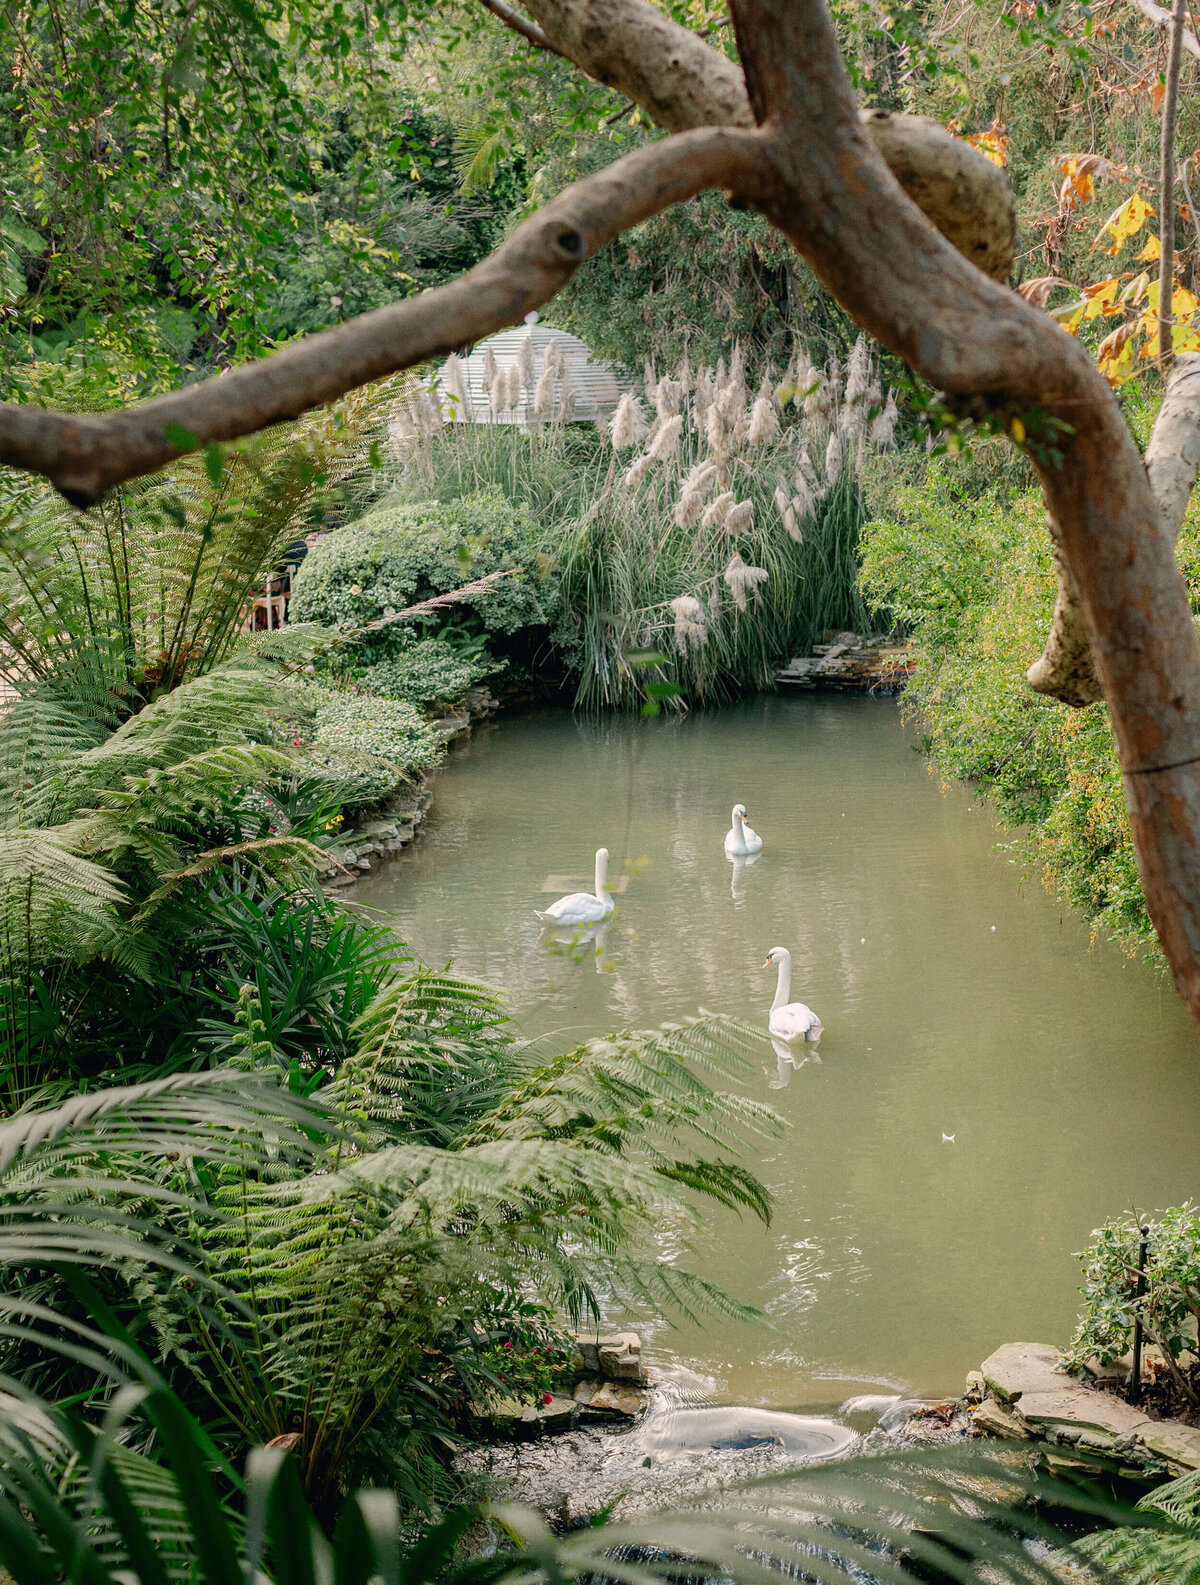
column 701, row 536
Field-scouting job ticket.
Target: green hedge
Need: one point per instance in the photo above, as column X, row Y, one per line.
column 972, row 577
column 399, row 555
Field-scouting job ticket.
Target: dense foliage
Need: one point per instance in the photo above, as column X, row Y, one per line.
column 965, row 564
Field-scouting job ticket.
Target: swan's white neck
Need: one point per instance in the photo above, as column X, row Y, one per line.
column 737, row 821
column 601, row 875
column 783, row 986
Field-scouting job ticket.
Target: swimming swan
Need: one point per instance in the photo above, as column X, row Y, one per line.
column 790, row 1021
column 583, row 908
column 740, row 839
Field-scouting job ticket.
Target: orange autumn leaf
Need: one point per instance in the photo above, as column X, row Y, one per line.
column 1157, row 94
column 1114, row 356
column 992, row 144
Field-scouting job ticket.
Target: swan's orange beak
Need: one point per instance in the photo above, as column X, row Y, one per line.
column 767, row 964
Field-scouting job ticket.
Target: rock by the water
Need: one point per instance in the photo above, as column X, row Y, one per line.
column 616, row 1397
column 997, row 1421
column 620, row 1357
column 1023, row 1367
column 1178, row 1445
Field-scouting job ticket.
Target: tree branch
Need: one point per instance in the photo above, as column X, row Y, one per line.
column 1162, row 19
column 529, row 31
column 85, row 455
column 682, row 82
column 1166, row 204
column 1065, row 671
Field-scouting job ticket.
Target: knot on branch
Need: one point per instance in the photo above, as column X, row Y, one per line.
column 569, row 244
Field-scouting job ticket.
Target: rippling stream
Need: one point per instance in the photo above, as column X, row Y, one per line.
column 958, row 1000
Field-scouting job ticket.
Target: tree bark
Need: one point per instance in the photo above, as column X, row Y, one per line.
column 1065, row 671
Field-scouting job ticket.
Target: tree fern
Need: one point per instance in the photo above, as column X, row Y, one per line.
column 1164, row 1549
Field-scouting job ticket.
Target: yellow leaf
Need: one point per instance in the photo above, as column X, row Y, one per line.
column 1152, row 250
column 1125, row 222
column 1018, row 431
column 1102, row 299
column 1119, row 366
column 1069, row 316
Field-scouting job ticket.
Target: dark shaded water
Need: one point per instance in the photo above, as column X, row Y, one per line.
column 957, row 999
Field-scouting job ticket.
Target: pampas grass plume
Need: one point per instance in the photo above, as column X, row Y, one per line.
column 638, row 470
column 834, row 457
column 690, row 627
column 543, row 396
column 740, row 518
column 525, row 360
column 627, row 428
column 668, row 397
column 701, row 476
column 688, row 509
column 454, row 383
column 718, row 511
column 763, row 426
column 743, row 580
column 666, row 442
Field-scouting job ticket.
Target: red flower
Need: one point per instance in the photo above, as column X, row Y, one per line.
column 508, row 1345
column 547, row 1397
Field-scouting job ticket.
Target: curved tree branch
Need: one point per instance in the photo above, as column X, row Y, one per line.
column 899, row 280
column 529, row 31
column 85, row 455
column 682, row 82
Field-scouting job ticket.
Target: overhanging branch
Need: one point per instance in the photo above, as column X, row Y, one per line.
column 85, row 455
column 681, row 82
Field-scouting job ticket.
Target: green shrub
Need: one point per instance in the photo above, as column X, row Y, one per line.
column 390, row 729
column 1170, row 1306
column 372, row 745
column 429, row 672
column 397, row 556
column 972, row 576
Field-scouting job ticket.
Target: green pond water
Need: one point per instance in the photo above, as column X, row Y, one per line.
column 957, row 998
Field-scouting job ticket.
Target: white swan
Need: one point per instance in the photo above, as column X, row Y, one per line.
column 583, row 908
column 740, row 839
column 790, row 1021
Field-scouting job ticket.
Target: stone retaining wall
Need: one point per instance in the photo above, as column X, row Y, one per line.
column 1019, row 1392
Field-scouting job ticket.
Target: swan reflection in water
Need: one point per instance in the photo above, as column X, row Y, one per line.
column 741, row 862
column 787, row 1062
column 580, row 943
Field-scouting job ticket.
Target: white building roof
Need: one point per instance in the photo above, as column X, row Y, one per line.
column 595, row 387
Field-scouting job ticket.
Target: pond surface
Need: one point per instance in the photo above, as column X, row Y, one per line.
column 958, row 999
